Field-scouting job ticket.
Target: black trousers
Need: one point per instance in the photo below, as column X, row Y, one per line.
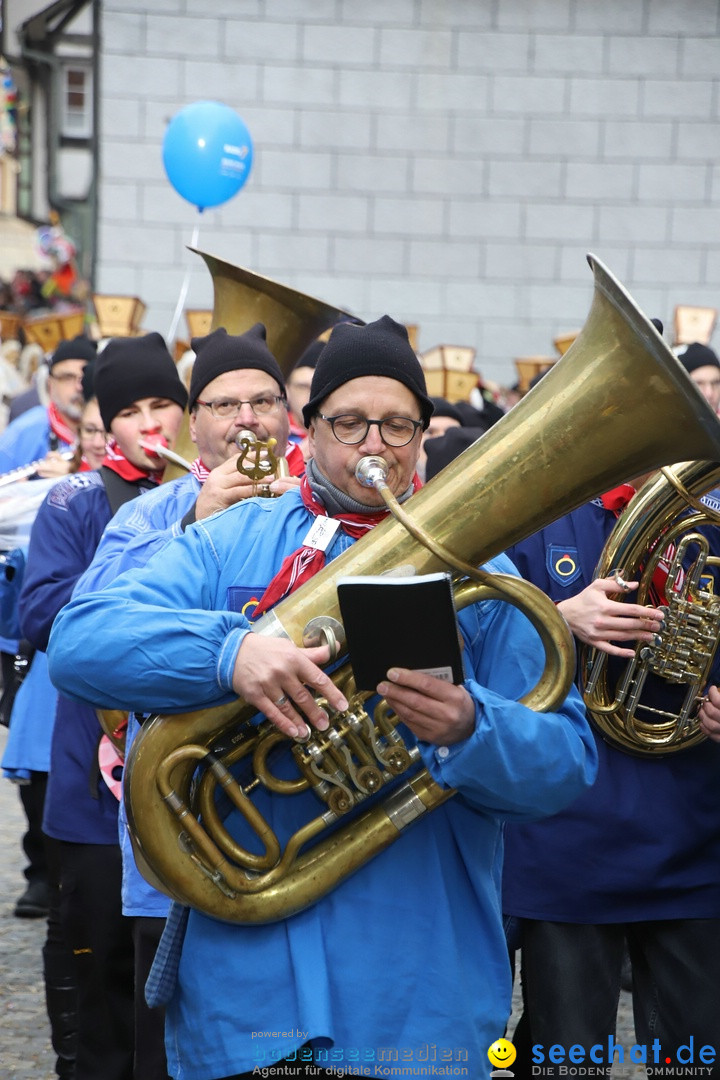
column 59, row 974
column 101, row 941
column 150, row 1059
column 32, row 796
column 571, row 988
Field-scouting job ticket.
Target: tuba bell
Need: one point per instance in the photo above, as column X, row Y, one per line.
column 616, row 405
column 662, row 526
column 293, row 320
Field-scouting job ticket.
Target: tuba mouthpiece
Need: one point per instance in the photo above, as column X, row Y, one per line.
column 371, row 471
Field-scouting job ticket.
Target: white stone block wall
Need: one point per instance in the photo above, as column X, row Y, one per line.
column 447, row 161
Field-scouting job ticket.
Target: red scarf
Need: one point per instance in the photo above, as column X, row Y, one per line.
column 59, row 425
column 301, row 565
column 115, row 459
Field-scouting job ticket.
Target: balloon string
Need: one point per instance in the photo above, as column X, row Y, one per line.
column 183, row 290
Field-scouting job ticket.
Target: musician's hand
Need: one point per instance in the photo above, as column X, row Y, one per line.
column 435, row 711
column 596, row 617
column 284, row 483
column 224, row 487
column 54, row 465
column 268, row 670
column 709, row 714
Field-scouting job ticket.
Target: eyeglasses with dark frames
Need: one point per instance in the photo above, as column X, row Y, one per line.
column 351, row 429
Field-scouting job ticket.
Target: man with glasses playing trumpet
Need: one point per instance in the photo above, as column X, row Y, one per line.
column 407, row 956
column 239, row 424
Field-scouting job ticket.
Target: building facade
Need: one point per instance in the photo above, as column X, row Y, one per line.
column 447, row 161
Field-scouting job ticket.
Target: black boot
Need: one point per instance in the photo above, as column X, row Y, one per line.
column 34, row 902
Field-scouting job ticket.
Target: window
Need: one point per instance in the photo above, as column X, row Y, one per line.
column 76, row 120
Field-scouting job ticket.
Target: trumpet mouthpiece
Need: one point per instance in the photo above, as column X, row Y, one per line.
column 371, row 471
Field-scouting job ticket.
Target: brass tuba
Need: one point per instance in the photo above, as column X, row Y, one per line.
column 661, row 524
column 616, row 405
column 293, row 320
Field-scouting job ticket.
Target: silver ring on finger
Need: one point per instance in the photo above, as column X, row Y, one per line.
column 282, row 700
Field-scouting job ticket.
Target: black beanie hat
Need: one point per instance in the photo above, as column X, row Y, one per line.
column 443, row 407
column 88, row 380
column 441, row 451
column 311, row 355
column 78, row 348
column 130, row 369
column 377, row 348
column 220, row 352
column 697, row 356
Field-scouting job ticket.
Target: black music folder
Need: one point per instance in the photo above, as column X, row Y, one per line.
column 405, row 622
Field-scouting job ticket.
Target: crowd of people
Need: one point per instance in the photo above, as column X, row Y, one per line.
column 133, row 595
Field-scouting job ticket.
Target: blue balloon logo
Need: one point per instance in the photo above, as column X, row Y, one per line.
column 207, row 153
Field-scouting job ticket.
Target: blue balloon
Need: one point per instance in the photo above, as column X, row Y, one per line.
column 207, row 153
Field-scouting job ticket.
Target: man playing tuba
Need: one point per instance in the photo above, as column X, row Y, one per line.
column 404, row 961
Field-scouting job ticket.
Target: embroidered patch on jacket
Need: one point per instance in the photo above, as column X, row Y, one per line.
column 65, row 491
column 242, row 599
column 563, row 564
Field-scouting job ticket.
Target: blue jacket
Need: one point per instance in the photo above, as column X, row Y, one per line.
column 644, row 842
column 138, row 529
column 423, row 914
column 26, row 439
column 79, row 806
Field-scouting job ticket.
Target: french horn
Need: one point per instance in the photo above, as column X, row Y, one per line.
column 662, row 523
column 615, row 406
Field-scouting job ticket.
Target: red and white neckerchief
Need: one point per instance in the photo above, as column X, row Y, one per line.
column 59, row 425
column 115, row 459
column 199, row 470
column 308, row 560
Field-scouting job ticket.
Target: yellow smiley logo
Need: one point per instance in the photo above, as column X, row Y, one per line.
column 502, row 1053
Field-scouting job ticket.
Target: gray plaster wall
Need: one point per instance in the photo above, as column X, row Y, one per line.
column 449, row 162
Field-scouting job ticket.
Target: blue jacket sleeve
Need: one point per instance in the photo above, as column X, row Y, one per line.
column 139, row 529
column 152, row 640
